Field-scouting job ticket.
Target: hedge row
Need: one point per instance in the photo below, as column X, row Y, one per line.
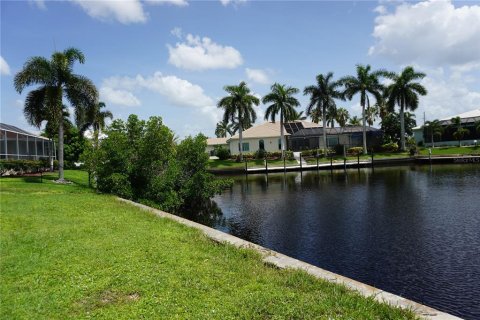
column 17, row 167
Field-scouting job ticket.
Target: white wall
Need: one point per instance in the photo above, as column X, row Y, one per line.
column 271, row 145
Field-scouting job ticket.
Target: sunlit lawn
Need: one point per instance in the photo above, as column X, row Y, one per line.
column 68, row 252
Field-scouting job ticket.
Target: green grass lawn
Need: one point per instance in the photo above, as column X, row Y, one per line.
column 452, row 150
column 233, row 165
column 67, row 252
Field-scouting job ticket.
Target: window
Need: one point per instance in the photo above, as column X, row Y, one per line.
column 280, row 144
column 261, row 145
column 332, row 141
column 246, row 146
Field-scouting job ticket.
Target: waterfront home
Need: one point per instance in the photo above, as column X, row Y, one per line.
column 468, row 121
column 213, row 143
column 349, row 136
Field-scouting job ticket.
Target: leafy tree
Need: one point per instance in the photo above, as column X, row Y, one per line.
column 391, row 126
column 281, row 102
column 364, row 83
column 223, row 128
column 56, row 80
column 322, row 98
column 404, row 92
column 433, row 129
column 460, row 131
column 355, row 121
column 342, row 117
column 238, row 108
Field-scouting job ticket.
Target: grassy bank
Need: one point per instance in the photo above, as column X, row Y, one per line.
column 67, row 252
column 228, row 164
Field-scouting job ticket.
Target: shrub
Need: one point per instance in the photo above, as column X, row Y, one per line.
column 260, row 154
column 222, row 153
column 289, row 155
column 355, row 151
column 338, row 149
column 23, row 166
column 390, row 147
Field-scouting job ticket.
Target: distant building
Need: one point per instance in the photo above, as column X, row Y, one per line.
column 468, row 120
column 213, row 143
column 19, row 144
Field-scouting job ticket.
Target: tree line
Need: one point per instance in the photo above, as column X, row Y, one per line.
column 376, row 99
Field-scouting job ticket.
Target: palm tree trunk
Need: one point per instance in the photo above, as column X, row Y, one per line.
column 433, row 144
column 324, row 129
column 60, row 148
column 282, row 135
column 364, row 127
column 402, row 128
column 240, row 139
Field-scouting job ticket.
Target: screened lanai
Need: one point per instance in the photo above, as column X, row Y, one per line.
column 18, row 144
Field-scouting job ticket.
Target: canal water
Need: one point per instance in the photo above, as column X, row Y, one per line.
column 413, row 230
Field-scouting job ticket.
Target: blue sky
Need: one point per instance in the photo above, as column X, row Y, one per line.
column 172, row 58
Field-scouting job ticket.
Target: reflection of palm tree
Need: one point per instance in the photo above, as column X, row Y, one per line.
column 460, row 132
column 342, row 116
column 238, row 108
column 223, row 128
column 322, row 98
column 364, row 83
column 56, row 80
column 433, row 128
column 355, row 121
column 404, row 93
column 282, row 102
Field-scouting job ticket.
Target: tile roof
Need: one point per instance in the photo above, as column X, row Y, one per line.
column 216, row 141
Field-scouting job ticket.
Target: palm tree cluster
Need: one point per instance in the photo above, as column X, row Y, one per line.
column 376, row 100
column 56, row 80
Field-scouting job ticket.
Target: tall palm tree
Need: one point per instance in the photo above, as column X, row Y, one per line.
column 364, row 83
column 322, row 98
column 281, row 102
column 56, row 80
column 371, row 114
column 433, row 128
column 460, row 131
column 223, row 128
column 331, row 117
column 238, row 108
column 355, row 121
column 94, row 117
column 404, row 92
column 342, row 117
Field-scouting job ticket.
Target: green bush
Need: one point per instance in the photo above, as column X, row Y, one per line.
column 390, row 147
column 260, row 154
column 338, row 149
column 222, row 153
column 289, row 155
column 355, row 151
column 24, row 166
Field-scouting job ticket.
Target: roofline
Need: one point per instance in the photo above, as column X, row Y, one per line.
column 30, row 134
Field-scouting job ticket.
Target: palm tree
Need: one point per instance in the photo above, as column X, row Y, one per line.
column 331, row 117
column 296, row 116
column 223, row 128
column 322, row 98
column 56, row 80
column 460, row 132
column 355, row 121
column 238, row 108
column 342, row 117
column 433, row 128
column 371, row 114
column 281, row 101
column 365, row 83
column 404, row 92
column 94, row 118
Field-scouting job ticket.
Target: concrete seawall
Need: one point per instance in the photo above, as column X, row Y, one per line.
column 282, row 261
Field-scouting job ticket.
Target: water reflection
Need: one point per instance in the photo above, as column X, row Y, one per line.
column 410, row 230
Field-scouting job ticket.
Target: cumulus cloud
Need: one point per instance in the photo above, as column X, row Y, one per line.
column 202, row 53
column 40, row 4
column 4, row 67
column 178, row 91
column 126, row 11
column 180, row 3
column 429, row 32
column 177, row 32
column 119, row 97
column 234, row 2
column 258, row 75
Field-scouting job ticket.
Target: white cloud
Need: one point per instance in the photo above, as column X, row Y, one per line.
column 380, row 9
column 125, row 11
column 258, row 75
column 180, row 3
column 177, row 32
column 234, row 2
column 119, row 97
column 19, row 103
column 178, row 91
column 202, row 53
column 429, row 32
column 40, row 4
column 4, row 67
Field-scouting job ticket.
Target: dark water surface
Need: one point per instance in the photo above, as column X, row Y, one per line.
column 412, row 231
